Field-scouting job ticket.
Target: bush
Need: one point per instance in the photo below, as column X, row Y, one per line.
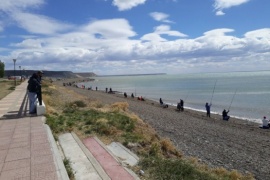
column 79, row 103
column 11, row 88
column 160, row 169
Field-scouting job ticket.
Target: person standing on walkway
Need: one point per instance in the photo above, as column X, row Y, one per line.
column 207, row 107
column 33, row 86
column 39, row 79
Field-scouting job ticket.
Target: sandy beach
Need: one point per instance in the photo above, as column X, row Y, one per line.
column 234, row 144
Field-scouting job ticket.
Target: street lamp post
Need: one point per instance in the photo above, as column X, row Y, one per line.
column 20, row 72
column 14, row 60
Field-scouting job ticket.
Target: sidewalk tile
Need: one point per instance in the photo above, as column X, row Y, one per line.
column 35, row 160
column 21, row 174
column 22, row 163
column 18, row 153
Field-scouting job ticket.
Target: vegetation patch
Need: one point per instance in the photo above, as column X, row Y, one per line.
column 6, row 87
column 69, row 169
column 159, row 158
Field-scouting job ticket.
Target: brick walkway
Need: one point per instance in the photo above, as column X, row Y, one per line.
column 26, row 152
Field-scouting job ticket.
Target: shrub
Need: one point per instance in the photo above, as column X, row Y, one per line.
column 160, row 169
column 79, row 103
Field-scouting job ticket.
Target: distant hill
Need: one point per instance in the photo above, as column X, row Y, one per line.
column 85, row 74
column 54, row 74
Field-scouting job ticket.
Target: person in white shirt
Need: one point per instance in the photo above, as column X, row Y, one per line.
column 265, row 123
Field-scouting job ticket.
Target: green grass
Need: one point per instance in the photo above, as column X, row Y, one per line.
column 68, row 168
column 92, row 121
column 173, row 169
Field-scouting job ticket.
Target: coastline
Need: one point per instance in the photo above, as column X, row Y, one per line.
column 249, row 102
column 236, row 144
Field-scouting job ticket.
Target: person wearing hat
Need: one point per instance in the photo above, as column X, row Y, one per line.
column 265, row 123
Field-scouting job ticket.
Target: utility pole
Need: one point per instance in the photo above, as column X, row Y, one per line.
column 14, row 60
column 20, row 72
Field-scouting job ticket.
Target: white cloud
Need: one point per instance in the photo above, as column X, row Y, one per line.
column 161, row 30
column 29, row 43
column 127, row 4
column 111, row 28
column 11, row 5
column 39, row 24
column 159, row 16
column 220, row 5
column 220, row 13
column 81, row 49
column 17, row 11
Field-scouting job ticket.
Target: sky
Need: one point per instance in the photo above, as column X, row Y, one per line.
column 110, row 37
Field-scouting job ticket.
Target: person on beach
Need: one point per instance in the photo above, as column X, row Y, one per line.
column 110, row 91
column 162, row 104
column 265, row 123
column 106, row 89
column 141, row 98
column 96, row 88
column 225, row 115
column 181, row 105
column 125, row 94
column 132, row 95
column 160, row 101
column 207, row 107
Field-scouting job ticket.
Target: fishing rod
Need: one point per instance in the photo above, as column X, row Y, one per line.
column 213, row 92
column 232, row 100
column 187, row 96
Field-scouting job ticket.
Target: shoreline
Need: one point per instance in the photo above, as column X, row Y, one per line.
column 234, row 144
column 258, row 121
column 243, row 115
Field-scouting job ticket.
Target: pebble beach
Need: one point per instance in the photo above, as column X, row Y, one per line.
column 234, row 144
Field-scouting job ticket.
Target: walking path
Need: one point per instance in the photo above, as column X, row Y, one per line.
column 26, row 149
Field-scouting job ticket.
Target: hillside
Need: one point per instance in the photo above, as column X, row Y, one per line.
column 54, row 74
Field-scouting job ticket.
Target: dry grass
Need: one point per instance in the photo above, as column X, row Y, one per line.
column 5, row 87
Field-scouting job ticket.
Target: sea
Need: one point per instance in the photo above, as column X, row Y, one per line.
column 245, row 94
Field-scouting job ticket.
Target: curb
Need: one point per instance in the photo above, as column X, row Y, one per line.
column 62, row 173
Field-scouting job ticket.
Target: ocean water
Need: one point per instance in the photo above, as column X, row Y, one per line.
column 247, row 94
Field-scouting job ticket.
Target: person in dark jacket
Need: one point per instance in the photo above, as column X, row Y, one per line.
column 39, row 79
column 225, row 115
column 207, row 107
column 33, row 87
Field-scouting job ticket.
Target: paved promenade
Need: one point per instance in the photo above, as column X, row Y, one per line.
column 27, row 149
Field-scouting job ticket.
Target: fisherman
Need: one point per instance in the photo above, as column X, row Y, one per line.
column 125, row 94
column 225, row 115
column 132, row 95
column 265, row 123
column 160, row 101
column 207, row 107
column 163, row 104
column 181, row 105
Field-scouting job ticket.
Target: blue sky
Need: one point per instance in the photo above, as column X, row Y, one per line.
column 136, row 36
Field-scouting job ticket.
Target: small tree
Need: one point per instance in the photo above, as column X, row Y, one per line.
column 2, row 69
